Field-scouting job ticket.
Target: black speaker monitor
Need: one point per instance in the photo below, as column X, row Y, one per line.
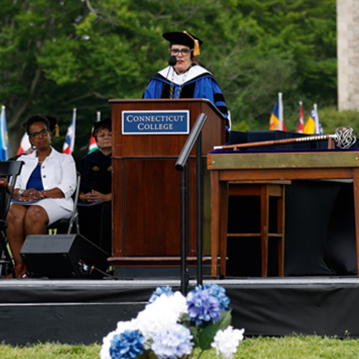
column 63, row 256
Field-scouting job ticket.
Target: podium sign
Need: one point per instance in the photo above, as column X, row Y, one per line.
column 146, row 199
column 155, row 122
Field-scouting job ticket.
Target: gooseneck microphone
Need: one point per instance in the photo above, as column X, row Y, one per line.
column 171, row 62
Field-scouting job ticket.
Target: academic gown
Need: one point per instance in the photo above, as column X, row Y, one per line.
column 197, row 83
column 95, row 220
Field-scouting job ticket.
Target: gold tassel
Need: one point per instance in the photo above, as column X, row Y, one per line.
column 57, row 130
column 196, row 51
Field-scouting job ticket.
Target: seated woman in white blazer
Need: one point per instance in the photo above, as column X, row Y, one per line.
column 42, row 193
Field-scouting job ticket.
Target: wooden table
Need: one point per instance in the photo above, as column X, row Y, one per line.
column 243, row 166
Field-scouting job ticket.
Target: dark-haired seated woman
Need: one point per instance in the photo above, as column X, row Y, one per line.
column 95, row 190
column 42, row 193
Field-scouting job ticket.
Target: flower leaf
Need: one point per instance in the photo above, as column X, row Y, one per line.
column 225, row 320
column 206, row 336
column 147, row 354
column 152, row 355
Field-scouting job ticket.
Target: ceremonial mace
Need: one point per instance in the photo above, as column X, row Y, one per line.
column 344, row 138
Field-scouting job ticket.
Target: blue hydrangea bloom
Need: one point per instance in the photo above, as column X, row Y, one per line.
column 220, row 293
column 172, row 341
column 159, row 291
column 203, row 306
column 126, row 345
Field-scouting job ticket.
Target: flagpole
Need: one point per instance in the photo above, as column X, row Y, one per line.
column 4, row 136
column 316, row 119
column 280, row 110
column 301, row 122
column 74, row 115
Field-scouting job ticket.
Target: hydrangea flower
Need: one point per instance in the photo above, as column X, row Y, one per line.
column 220, row 294
column 202, row 306
column 164, row 326
column 226, row 341
column 163, row 311
column 159, row 291
column 126, row 345
column 106, row 341
column 172, row 341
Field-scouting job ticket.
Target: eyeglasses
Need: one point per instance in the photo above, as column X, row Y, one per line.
column 184, row 52
column 42, row 132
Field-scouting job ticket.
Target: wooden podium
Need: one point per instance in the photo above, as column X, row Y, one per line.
column 146, row 207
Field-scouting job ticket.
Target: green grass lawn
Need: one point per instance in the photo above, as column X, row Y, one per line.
column 290, row 347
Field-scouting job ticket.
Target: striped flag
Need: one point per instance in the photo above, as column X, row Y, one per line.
column 276, row 121
column 24, row 144
column 93, row 144
column 69, row 144
column 313, row 124
column 300, row 123
column 4, row 139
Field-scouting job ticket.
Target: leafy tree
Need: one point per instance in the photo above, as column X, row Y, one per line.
column 25, row 27
column 304, row 31
column 56, row 55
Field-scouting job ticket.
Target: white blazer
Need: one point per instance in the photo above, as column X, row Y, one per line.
column 57, row 171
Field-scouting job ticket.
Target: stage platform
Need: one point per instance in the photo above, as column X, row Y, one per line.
column 83, row 311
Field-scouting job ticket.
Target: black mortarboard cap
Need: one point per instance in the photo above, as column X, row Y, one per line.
column 184, row 38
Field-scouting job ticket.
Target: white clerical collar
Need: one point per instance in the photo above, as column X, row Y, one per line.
column 192, row 73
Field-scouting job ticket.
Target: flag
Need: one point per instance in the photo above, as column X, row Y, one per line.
column 4, row 139
column 300, row 123
column 69, row 144
column 313, row 124
column 276, row 121
column 24, row 144
column 93, row 144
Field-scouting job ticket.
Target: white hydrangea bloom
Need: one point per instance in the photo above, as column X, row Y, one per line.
column 226, row 341
column 162, row 311
column 127, row 325
column 106, row 343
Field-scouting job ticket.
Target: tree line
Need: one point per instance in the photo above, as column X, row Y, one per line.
column 57, row 55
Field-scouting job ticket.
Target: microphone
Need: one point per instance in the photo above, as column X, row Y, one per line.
column 172, row 61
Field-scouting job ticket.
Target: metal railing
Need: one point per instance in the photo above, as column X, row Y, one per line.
column 195, row 137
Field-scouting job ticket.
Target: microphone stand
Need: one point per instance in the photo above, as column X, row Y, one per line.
column 171, row 62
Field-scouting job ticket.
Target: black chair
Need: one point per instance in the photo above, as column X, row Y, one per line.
column 65, row 226
column 9, row 170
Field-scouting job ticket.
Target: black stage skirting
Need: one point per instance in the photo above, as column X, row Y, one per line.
column 75, row 311
column 319, row 231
